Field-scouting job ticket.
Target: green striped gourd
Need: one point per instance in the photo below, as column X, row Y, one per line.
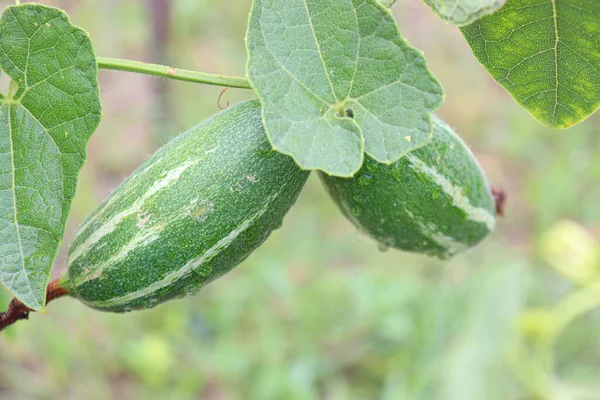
column 194, row 210
column 435, row 200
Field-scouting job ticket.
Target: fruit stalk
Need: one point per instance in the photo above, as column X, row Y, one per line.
column 17, row 310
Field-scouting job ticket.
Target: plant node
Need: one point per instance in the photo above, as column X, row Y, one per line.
column 17, row 310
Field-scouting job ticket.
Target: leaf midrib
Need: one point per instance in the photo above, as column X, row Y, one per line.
column 555, row 16
column 312, row 29
column 349, row 97
column 357, row 53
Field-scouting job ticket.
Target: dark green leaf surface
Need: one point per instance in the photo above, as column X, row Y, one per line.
column 336, row 79
column 46, row 119
column 546, row 54
column 463, row 12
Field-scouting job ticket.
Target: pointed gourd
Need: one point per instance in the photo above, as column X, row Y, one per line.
column 193, row 211
column 435, row 200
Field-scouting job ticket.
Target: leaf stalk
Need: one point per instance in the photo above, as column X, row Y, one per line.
column 164, row 71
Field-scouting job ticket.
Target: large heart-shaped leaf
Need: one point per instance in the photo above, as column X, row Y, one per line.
column 336, row 78
column 546, row 54
column 46, row 119
column 463, row 12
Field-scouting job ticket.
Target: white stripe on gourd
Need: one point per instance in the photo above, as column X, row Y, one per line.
column 136, row 176
column 431, row 231
column 140, row 240
column 112, row 224
column 191, row 266
column 459, row 200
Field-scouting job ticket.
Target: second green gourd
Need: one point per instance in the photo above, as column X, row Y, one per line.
column 435, row 200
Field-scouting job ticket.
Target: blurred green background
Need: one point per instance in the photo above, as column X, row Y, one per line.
column 319, row 312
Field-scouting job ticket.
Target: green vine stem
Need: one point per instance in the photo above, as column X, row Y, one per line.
column 172, row 73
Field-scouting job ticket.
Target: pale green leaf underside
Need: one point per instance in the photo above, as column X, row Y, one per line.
column 463, row 12
column 46, row 119
column 546, row 54
column 310, row 61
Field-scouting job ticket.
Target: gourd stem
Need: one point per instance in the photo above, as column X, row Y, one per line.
column 164, row 71
column 17, row 310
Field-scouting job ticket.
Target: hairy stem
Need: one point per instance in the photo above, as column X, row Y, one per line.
column 172, row 73
column 17, row 311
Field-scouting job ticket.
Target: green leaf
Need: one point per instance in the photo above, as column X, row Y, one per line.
column 336, row 78
column 46, row 119
column 463, row 12
column 546, row 54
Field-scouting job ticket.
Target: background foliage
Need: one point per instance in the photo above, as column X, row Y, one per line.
column 319, row 311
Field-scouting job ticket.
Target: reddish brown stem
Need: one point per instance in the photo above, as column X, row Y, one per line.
column 500, row 197
column 17, row 311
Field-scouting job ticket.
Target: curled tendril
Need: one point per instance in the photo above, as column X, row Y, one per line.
column 219, row 100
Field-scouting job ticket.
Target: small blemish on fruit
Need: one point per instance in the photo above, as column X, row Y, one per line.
column 143, row 218
column 200, row 211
